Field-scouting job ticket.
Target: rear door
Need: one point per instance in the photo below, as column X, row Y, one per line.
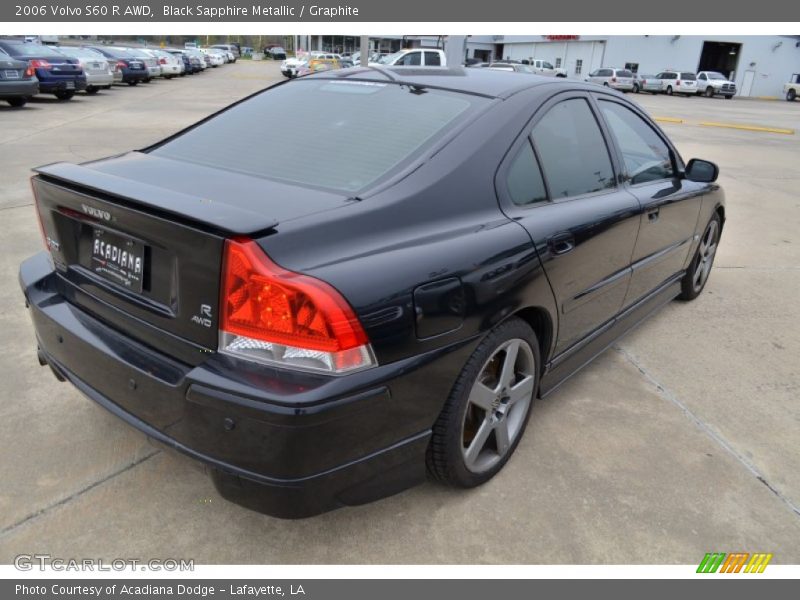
column 560, row 183
column 670, row 205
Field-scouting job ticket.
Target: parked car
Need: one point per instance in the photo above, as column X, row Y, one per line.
column 169, row 65
column 203, row 61
column 543, row 67
column 150, row 62
column 515, row 67
column 646, row 83
column 416, row 57
column 710, row 83
column 304, row 63
column 97, row 68
column 132, row 69
column 618, row 79
column 678, row 82
column 59, row 75
column 792, row 89
column 216, row 56
column 18, row 82
column 351, row 331
column 232, row 48
column 189, row 67
column 275, row 53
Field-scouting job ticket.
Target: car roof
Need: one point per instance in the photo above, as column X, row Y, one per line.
column 485, row 82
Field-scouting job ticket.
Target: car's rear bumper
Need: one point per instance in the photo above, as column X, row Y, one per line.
column 286, row 443
column 22, row 88
column 99, row 79
column 62, row 84
column 134, row 75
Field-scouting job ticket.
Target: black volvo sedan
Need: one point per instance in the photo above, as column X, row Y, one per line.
column 429, row 251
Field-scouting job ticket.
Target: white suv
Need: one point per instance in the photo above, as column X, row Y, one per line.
column 678, row 82
column 417, row 57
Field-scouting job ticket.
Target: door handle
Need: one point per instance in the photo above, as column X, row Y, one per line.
column 561, row 243
column 652, row 215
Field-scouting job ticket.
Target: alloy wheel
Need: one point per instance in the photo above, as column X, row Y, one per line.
column 498, row 405
column 705, row 255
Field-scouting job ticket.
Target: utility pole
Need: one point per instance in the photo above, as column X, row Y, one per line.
column 364, row 50
column 455, row 50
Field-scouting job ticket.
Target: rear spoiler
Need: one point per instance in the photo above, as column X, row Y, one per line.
column 218, row 216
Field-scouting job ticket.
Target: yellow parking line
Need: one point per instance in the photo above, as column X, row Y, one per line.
column 668, row 119
column 747, row 127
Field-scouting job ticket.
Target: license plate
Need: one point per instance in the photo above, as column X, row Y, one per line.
column 70, row 85
column 118, row 259
column 96, row 65
column 11, row 74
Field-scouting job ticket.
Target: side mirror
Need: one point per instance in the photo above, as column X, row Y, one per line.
column 702, row 171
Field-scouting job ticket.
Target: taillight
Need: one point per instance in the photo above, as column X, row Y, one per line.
column 613, row 80
column 275, row 316
column 120, row 65
column 162, row 61
column 39, row 215
column 29, row 72
column 677, row 83
column 40, row 64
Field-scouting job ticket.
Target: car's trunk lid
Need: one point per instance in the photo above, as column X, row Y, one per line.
column 141, row 238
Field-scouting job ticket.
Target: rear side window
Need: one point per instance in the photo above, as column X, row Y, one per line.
column 412, row 59
column 574, row 156
column 432, row 59
column 341, row 135
column 646, row 156
column 524, row 179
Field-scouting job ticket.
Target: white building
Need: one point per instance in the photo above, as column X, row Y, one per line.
column 759, row 65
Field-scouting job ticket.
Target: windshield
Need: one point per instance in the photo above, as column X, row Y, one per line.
column 351, row 134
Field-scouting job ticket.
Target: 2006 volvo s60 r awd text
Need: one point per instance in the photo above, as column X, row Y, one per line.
column 380, row 294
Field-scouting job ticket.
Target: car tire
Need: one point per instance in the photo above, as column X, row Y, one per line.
column 65, row 95
column 605, row 84
column 92, row 90
column 791, row 95
column 148, row 80
column 17, row 102
column 132, row 83
column 709, row 93
column 669, row 90
column 635, row 88
column 488, row 408
column 699, row 269
column 729, row 96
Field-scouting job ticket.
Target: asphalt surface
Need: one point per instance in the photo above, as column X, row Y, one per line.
column 682, row 439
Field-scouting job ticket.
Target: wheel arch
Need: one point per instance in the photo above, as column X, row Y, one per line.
column 541, row 322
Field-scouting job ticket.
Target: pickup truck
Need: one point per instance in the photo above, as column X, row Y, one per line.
column 792, row 89
column 416, row 57
column 542, row 67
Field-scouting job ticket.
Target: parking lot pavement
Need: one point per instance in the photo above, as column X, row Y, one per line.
column 679, row 440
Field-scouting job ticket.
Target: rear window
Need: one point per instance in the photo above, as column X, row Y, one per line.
column 341, row 135
column 688, row 76
column 624, row 73
column 33, row 50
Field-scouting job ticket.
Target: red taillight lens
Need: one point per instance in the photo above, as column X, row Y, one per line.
column 162, row 61
column 613, row 80
column 277, row 316
column 120, row 65
column 29, row 72
column 40, row 64
column 677, row 83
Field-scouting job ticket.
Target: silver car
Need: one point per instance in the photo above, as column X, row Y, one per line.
column 618, row 79
column 99, row 72
column 646, row 83
column 169, row 64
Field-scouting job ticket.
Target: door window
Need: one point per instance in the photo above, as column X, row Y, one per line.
column 644, row 153
column 524, row 179
column 432, row 59
column 412, row 59
column 573, row 152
